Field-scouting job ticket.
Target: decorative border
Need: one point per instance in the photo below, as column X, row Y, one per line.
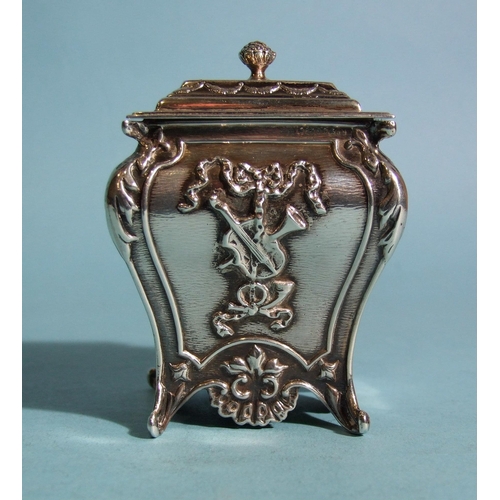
column 249, row 88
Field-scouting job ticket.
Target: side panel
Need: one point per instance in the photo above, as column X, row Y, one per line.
column 254, row 252
column 318, row 259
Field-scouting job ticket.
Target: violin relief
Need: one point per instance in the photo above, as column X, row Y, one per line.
column 254, row 250
column 255, row 217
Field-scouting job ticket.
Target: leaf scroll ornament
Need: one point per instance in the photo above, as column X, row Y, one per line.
column 392, row 215
column 125, row 187
column 256, row 396
column 391, row 209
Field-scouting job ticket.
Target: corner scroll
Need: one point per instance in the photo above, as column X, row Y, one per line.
column 125, row 186
column 392, row 208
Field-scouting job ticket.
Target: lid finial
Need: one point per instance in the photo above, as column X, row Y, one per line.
column 257, row 56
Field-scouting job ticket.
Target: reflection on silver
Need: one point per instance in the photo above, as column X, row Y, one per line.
column 255, row 251
column 255, row 396
column 255, row 240
column 257, row 298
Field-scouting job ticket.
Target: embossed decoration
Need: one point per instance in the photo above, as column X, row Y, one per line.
column 291, row 89
column 254, row 299
column 253, row 284
column 256, row 251
column 257, row 56
column 256, row 396
column 391, row 211
column 180, row 371
column 327, row 370
column 124, row 190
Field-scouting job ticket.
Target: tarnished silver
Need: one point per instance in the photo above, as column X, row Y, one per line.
column 255, row 217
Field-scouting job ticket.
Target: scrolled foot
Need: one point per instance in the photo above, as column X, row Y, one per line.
column 161, row 414
column 166, row 404
column 344, row 407
column 363, row 422
column 154, row 429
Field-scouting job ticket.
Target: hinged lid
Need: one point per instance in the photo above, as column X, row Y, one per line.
column 258, row 97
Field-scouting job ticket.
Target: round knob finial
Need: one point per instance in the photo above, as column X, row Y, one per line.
column 257, row 56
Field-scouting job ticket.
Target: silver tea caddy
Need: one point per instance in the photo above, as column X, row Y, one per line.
column 255, row 217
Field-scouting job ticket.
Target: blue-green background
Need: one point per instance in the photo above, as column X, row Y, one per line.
column 87, row 341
